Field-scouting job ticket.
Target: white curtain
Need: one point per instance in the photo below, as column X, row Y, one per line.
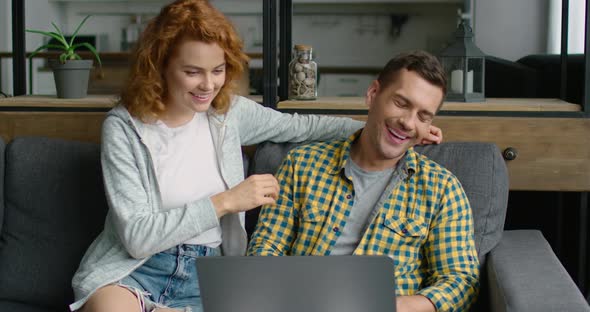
column 576, row 27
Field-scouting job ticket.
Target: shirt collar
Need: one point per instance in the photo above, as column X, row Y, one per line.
column 409, row 161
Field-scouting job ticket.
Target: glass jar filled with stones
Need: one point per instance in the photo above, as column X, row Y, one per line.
column 303, row 82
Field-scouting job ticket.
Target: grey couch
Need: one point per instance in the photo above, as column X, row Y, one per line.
column 52, row 206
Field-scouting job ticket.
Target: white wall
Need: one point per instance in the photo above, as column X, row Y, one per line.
column 366, row 40
column 511, row 29
column 503, row 28
column 107, row 20
column 6, row 45
column 347, row 39
column 38, row 15
column 576, row 26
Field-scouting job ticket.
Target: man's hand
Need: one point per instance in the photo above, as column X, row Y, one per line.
column 256, row 190
column 416, row 303
column 435, row 136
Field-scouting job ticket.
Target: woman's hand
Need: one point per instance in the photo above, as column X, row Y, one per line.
column 256, row 190
column 434, row 137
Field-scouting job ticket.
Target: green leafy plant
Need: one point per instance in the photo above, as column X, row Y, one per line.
column 69, row 48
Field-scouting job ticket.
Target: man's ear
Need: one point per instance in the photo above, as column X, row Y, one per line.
column 372, row 93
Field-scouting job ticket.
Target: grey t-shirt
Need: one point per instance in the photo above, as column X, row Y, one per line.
column 370, row 189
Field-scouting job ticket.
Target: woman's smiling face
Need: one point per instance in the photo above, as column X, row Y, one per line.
column 194, row 76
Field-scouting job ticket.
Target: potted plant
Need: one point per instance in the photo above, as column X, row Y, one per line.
column 70, row 71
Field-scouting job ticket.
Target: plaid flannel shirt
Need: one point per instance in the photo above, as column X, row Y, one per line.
column 425, row 226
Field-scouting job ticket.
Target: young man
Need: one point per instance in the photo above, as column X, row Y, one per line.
column 372, row 194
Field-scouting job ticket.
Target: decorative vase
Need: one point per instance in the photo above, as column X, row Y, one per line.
column 71, row 78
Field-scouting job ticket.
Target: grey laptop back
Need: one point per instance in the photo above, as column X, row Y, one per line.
column 297, row 284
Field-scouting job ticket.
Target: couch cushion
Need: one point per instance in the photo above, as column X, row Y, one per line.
column 24, row 307
column 54, row 207
column 479, row 167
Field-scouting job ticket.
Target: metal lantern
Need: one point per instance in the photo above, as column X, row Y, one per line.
column 464, row 64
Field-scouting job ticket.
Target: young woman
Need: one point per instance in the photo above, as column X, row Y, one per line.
column 172, row 164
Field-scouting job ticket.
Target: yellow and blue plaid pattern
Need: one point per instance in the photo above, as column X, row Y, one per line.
column 425, row 226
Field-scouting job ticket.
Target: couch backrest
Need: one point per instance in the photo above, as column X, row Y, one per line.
column 479, row 166
column 548, row 76
column 54, row 207
column 483, row 174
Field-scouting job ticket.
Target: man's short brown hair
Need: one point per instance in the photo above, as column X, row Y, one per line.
column 421, row 62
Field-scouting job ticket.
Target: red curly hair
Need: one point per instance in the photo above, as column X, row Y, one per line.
column 145, row 90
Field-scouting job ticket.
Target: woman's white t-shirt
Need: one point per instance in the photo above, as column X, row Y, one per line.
column 186, row 167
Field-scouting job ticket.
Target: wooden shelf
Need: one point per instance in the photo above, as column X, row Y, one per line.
column 491, row 104
column 45, row 101
column 51, row 101
column 553, row 152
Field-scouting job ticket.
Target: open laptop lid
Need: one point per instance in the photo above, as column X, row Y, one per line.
column 297, row 284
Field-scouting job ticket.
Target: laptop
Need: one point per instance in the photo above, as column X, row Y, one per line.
column 297, row 284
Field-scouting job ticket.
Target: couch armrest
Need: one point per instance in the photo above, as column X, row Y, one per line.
column 525, row 275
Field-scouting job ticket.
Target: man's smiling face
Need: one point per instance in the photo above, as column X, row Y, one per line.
column 400, row 114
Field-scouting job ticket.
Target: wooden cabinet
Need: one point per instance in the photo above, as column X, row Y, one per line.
column 553, row 154
column 72, row 119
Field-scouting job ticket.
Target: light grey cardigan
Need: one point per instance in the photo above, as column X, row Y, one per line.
column 137, row 227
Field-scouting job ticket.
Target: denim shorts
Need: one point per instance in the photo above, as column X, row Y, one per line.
column 169, row 279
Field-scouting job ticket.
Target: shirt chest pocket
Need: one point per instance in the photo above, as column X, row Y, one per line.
column 311, row 222
column 311, row 214
column 409, row 232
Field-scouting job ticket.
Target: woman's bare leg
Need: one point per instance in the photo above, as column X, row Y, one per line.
column 112, row 298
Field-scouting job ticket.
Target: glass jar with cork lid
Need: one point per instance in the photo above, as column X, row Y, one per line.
column 303, row 83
